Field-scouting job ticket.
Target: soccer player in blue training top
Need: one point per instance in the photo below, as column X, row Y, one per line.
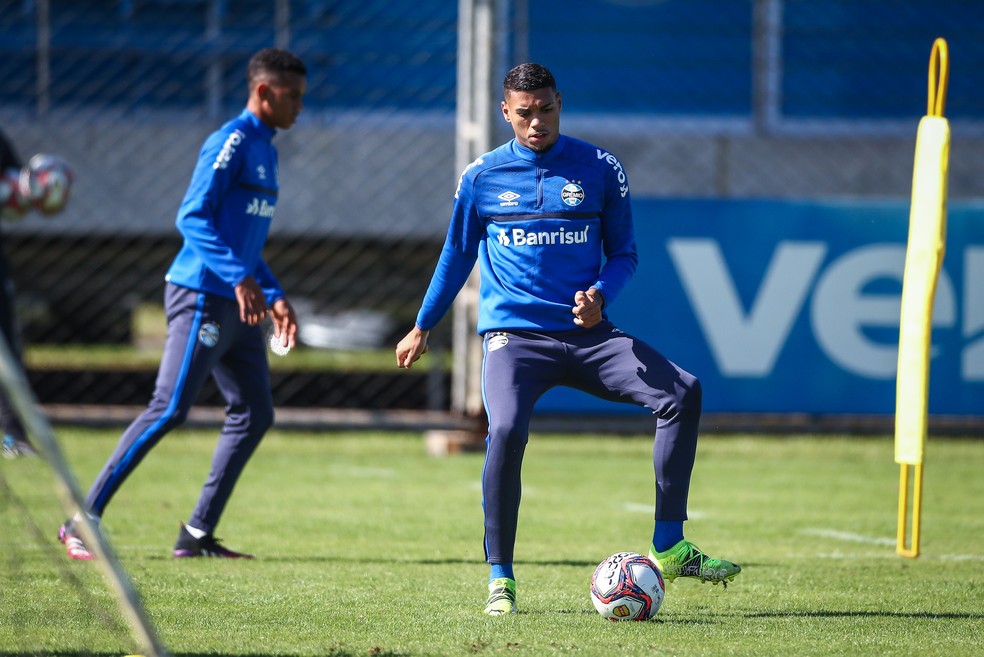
column 218, row 291
column 548, row 218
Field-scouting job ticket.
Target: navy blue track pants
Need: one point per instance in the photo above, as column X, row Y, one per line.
column 520, row 366
column 204, row 337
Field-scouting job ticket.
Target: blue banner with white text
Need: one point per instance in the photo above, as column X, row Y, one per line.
column 793, row 306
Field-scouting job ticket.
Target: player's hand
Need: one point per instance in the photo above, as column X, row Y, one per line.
column 411, row 347
column 587, row 307
column 252, row 302
column 284, row 322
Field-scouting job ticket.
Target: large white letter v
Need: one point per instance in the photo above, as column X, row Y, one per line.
column 745, row 344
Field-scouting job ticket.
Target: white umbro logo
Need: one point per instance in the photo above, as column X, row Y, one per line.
column 508, row 198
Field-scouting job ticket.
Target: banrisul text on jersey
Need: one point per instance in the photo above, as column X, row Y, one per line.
column 519, row 237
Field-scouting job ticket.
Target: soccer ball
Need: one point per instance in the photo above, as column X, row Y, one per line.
column 46, row 182
column 13, row 205
column 627, row 586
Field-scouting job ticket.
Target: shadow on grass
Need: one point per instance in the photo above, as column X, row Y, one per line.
column 377, row 652
column 386, row 560
column 865, row 614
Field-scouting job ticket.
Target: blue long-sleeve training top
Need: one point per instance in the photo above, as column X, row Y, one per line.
column 542, row 227
column 227, row 211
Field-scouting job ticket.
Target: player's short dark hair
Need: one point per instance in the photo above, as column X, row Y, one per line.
column 273, row 62
column 528, row 77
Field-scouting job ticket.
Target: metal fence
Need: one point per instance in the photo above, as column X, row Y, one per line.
column 698, row 98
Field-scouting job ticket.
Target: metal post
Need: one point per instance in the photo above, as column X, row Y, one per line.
column 282, row 22
column 213, row 75
column 476, row 57
column 767, row 58
column 44, row 57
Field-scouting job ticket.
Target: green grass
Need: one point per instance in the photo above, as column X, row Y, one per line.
column 367, row 546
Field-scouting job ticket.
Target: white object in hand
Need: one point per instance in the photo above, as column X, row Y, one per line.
column 277, row 346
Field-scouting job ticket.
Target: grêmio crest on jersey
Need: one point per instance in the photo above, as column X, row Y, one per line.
column 572, row 194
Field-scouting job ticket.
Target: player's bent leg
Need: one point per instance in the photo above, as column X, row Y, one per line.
column 502, row 597
column 686, row 560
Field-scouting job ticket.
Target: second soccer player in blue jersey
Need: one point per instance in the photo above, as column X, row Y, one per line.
column 218, row 290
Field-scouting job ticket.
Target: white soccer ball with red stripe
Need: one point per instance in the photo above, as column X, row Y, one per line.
column 627, row 586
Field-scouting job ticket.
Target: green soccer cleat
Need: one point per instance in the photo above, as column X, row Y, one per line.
column 502, row 597
column 686, row 560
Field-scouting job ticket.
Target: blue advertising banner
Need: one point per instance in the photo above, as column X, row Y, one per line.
column 793, row 307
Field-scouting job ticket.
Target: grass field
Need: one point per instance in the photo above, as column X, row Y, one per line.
column 367, row 546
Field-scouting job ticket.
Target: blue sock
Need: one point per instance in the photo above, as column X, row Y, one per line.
column 501, row 570
column 667, row 534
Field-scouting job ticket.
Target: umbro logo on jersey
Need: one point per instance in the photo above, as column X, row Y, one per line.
column 261, row 172
column 508, row 199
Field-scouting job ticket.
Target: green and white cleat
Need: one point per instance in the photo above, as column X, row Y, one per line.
column 502, row 597
column 686, row 560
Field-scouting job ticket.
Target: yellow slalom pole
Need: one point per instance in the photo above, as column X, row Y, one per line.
column 916, row 477
column 924, row 257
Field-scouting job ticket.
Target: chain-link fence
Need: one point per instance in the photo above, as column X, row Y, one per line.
column 698, row 98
